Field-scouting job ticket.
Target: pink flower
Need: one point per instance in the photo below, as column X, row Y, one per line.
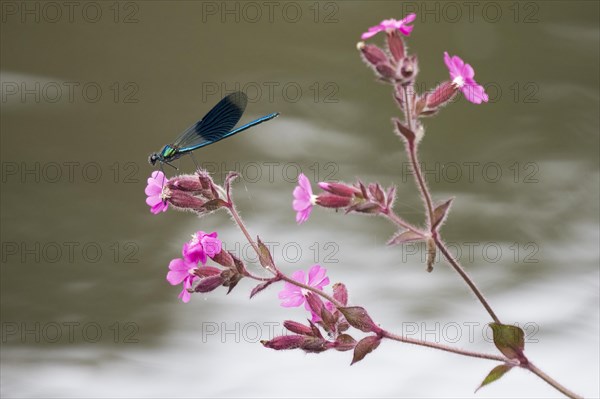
column 391, row 24
column 181, row 271
column 200, row 246
column 303, row 199
column 293, row 296
column 155, row 190
column 462, row 76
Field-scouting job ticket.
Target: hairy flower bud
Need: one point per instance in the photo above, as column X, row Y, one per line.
column 340, row 189
column 186, row 183
column 396, row 45
column 209, row 284
column 408, row 68
column 284, row 342
column 441, row 96
column 372, row 54
column 184, row 200
column 333, row 201
column 298, row 328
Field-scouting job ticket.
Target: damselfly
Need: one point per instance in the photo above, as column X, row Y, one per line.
column 216, row 125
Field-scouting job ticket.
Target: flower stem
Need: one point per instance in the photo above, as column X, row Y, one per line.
column 414, row 160
column 391, row 215
column 531, row 367
column 238, row 220
column 465, row 277
column 446, row 348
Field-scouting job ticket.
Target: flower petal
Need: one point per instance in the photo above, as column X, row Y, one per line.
column 153, row 189
column 153, row 200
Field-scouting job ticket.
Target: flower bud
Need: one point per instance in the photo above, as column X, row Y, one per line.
column 206, row 271
column 284, row 342
column 186, row 183
column 396, row 45
column 442, row 94
column 408, row 68
column 333, row 201
column 340, row 293
column 372, row 54
column 340, row 189
column 209, row 284
column 184, row 200
column 386, row 72
column 297, row 328
column 223, row 258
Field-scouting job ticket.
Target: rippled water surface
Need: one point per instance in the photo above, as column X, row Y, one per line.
column 86, row 310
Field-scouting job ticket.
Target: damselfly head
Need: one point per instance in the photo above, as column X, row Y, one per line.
column 153, row 158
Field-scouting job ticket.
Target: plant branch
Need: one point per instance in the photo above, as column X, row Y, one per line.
column 446, row 348
column 465, row 277
column 531, row 367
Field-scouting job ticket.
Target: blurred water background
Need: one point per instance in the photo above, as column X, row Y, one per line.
column 89, row 89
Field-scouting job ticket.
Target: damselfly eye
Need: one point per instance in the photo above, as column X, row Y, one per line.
column 153, row 158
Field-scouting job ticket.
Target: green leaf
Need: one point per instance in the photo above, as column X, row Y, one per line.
column 496, row 373
column 510, row 340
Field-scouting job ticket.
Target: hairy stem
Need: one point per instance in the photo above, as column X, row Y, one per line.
column 414, row 160
column 391, row 215
column 446, row 348
column 531, row 367
column 238, row 220
column 458, row 268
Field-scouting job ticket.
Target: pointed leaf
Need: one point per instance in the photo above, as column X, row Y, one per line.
column 265, row 258
column 404, row 131
column 440, row 212
column 391, row 196
column 261, row 287
column 358, row 318
column 344, row 342
column 405, row 236
column 231, row 176
column 315, row 330
column 364, row 347
column 496, row 373
column 510, row 340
